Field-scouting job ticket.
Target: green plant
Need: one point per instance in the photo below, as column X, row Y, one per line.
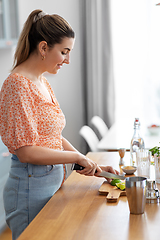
column 155, row 150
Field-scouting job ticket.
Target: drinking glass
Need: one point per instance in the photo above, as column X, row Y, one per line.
column 143, row 160
column 157, row 168
column 121, row 154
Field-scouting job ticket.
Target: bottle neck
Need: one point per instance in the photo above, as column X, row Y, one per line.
column 136, row 131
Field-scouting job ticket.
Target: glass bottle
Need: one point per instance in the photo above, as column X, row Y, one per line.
column 137, row 142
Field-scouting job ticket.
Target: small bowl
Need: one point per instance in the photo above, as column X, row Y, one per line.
column 154, row 129
column 129, row 169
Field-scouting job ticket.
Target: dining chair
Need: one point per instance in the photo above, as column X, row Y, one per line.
column 100, row 125
column 90, row 137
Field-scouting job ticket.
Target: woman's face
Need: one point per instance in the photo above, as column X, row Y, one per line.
column 58, row 55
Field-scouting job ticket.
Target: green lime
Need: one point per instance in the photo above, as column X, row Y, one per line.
column 114, row 181
column 121, row 185
column 118, row 185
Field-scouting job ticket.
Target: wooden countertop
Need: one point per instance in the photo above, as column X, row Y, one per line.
column 78, row 212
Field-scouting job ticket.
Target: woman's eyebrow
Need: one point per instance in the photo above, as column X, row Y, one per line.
column 68, row 49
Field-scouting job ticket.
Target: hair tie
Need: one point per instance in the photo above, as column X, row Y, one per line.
column 39, row 16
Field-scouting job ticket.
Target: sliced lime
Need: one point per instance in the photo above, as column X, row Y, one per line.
column 121, row 185
column 114, row 181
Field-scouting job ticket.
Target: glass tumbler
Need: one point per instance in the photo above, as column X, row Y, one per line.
column 157, row 168
column 143, row 159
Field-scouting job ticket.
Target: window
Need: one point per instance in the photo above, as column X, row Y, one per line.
column 136, row 55
column 8, row 23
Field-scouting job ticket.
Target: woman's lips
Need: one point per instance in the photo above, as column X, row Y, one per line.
column 59, row 66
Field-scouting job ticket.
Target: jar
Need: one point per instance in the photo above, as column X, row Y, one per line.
column 152, row 194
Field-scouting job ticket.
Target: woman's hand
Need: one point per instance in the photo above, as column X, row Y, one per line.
column 107, row 169
column 90, row 167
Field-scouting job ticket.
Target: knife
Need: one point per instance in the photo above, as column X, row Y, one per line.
column 111, row 175
column 105, row 174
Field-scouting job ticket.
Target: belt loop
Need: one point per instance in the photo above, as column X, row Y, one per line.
column 30, row 170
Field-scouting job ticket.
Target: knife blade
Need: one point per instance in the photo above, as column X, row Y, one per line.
column 111, row 175
column 76, row 166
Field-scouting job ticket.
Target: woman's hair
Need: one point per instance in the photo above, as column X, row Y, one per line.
column 41, row 27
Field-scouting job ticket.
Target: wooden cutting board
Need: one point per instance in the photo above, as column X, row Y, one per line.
column 112, row 192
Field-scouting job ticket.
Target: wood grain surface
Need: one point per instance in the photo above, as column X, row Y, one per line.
column 78, row 212
column 112, row 192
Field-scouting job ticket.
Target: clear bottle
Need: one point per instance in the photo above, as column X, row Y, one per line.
column 137, row 142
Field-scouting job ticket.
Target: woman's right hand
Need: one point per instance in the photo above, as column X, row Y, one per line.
column 90, row 167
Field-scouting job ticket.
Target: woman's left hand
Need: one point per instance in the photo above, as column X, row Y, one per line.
column 107, row 169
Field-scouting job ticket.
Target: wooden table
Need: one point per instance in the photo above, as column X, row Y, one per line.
column 78, row 212
column 120, row 135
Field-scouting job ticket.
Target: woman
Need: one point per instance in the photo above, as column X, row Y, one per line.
column 32, row 121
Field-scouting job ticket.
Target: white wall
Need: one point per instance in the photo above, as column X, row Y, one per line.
column 67, row 83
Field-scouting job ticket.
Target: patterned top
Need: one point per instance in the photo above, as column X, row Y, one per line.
column 27, row 117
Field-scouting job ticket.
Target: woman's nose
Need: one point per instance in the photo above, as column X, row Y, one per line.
column 67, row 59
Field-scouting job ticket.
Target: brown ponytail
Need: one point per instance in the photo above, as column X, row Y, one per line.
column 40, row 27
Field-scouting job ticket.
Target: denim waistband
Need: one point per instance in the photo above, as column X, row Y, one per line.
column 29, row 169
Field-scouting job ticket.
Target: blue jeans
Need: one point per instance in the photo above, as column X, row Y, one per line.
column 27, row 190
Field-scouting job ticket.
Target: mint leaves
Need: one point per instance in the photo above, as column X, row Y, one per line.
column 155, row 150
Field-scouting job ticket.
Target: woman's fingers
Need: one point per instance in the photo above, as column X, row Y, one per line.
column 108, row 169
column 90, row 167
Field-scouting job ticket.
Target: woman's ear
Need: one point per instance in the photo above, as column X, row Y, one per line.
column 43, row 48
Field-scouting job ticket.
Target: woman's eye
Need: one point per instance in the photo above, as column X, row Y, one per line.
column 64, row 53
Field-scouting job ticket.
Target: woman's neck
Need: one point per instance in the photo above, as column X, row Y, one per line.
column 32, row 68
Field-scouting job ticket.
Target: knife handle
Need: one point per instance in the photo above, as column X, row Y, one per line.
column 76, row 166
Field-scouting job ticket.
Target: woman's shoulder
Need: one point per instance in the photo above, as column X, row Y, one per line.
column 14, row 84
column 15, row 79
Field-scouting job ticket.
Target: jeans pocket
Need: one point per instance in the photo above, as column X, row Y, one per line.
column 10, row 194
column 41, row 170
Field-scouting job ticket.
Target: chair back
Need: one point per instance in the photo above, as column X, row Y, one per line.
column 90, row 137
column 100, row 125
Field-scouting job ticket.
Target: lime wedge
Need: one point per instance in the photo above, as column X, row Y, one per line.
column 114, row 181
column 121, row 185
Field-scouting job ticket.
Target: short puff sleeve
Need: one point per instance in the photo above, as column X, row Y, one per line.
column 17, row 115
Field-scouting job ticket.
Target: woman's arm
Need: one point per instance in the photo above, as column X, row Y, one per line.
column 46, row 156
column 68, row 146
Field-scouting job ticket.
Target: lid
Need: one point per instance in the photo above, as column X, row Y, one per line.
column 136, row 123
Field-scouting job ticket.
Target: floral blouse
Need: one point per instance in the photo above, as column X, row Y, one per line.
column 27, row 117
